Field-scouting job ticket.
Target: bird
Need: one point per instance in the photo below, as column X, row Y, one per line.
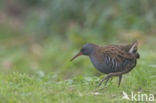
column 112, row 60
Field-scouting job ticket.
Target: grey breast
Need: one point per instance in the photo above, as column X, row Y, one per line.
column 106, row 65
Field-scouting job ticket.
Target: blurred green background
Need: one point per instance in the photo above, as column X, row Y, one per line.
column 41, row 36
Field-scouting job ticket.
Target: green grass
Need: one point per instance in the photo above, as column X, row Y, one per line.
column 36, row 45
column 42, row 73
column 43, row 87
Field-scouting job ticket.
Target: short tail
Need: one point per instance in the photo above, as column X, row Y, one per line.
column 133, row 49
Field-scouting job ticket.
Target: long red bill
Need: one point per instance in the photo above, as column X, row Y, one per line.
column 79, row 54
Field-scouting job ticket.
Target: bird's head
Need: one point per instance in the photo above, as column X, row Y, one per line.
column 87, row 49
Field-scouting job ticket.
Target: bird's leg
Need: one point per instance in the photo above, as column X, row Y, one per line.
column 106, row 81
column 120, row 78
column 110, row 75
column 106, row 77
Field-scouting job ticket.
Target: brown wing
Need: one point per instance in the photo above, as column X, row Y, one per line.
column 117, row 53
column 116, row 56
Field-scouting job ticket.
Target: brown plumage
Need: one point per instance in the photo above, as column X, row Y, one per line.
column 114, row 60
